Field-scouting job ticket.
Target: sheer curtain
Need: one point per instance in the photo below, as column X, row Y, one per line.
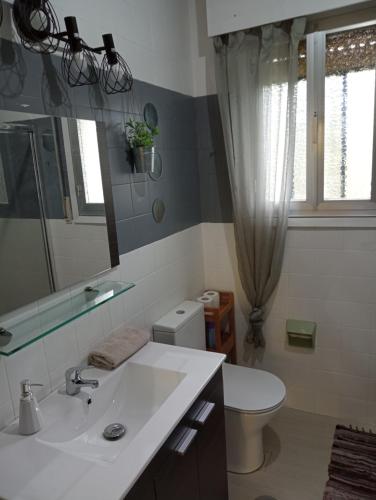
column 257, row 73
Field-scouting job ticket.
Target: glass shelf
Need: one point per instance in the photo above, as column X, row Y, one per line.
column 56, row 314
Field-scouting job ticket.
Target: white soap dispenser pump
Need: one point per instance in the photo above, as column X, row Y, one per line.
column 30, row 419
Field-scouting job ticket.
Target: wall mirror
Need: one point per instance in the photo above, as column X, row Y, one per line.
column 57, row 224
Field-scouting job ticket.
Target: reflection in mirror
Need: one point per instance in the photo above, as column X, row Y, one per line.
column 156, row 167
column 84, row 167
column 53, row 228
column 150, row 115
column 159, row 210
column 3, row 190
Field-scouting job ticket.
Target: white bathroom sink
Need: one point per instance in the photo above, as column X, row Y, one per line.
column 130, row 396
column 69, row 459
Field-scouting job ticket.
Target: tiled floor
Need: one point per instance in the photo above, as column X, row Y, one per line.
column 297, row 447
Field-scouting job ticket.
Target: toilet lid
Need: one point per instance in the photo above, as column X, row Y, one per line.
column 250, row 390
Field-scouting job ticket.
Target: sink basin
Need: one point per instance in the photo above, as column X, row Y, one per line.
column 130, row 395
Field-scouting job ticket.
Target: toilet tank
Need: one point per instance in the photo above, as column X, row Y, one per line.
column 184, row 326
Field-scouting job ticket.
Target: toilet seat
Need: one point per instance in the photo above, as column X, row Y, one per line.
column 247, row 390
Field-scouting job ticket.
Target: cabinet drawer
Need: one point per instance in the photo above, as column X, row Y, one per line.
column 191, row 465
column 175, row 475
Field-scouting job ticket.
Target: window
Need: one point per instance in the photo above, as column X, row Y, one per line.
column 334, row 156
column 87, row 167
column 90, row 162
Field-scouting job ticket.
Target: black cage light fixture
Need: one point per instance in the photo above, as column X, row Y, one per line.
column 37, row 25
column 38, row 28
column 116, row 75
column 79, row 64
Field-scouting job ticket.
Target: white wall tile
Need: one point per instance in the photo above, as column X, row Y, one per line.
column 329, row 277
column 315, row 239
column 372, row 342
column 371, row 415
column 89, row 332
column 158, row 289
column 371, row 391
column 138, row 321
column 315, row 261
column 341, row 371
column 353, row 409
column 327, row 359
column 7, row 414
column 117, row 313
column 301, row 399
column 5, row 397
column 302, row 308
column 279, row 301
column 372, row 367
column 6, row 406
column 309, row 286
column 137, row 264
column 61, row 351
column 359, row 263
column 356, row 340
column 328, row 336
column 355, row 363
column 328, row 404
column 133, row 303
column 357, row 315
column 361, row 239
column 328, row 382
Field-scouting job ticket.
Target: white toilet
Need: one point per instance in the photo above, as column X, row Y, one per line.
column 252, row 397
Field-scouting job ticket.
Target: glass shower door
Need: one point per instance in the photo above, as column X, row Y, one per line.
column 24, row 259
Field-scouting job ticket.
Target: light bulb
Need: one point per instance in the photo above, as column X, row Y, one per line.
column 39, row 20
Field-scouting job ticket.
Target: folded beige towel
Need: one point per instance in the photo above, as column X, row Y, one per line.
column 118, row 347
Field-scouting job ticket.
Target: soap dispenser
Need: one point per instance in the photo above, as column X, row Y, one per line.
column 30, row 418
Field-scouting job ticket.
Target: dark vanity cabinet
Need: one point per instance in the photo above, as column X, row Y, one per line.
column 191, row 465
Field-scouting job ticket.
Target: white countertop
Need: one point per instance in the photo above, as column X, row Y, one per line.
column 31, row 470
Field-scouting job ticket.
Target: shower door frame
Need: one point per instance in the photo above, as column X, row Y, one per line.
column 11, row 129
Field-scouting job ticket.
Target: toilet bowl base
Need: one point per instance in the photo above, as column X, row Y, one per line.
column 245, row 455
column 244, row 473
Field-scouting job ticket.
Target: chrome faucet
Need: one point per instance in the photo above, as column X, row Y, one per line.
column 74, row 384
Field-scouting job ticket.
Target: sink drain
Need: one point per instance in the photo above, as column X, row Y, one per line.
column 113, row 432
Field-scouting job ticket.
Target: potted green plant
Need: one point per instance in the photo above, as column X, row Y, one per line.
column 141, row 140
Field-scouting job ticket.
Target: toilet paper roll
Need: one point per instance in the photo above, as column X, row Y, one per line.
column 207, row 301
column 214, row 295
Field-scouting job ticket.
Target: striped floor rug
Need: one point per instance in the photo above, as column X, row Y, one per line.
column 352, row 469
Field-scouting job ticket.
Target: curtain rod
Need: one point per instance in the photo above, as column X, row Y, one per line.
column 336, row 18
column 256, row 30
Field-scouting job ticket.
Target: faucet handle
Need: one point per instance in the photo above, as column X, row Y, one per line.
column 73, row 385
column 76, row 371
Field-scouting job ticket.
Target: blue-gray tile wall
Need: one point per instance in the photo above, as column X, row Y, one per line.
column 33, row 83
column 194, row 184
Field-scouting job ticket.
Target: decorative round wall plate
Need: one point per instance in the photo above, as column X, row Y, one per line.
column 159, row 210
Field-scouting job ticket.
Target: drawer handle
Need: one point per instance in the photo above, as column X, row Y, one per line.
column 204, row 413
column 185, row 442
